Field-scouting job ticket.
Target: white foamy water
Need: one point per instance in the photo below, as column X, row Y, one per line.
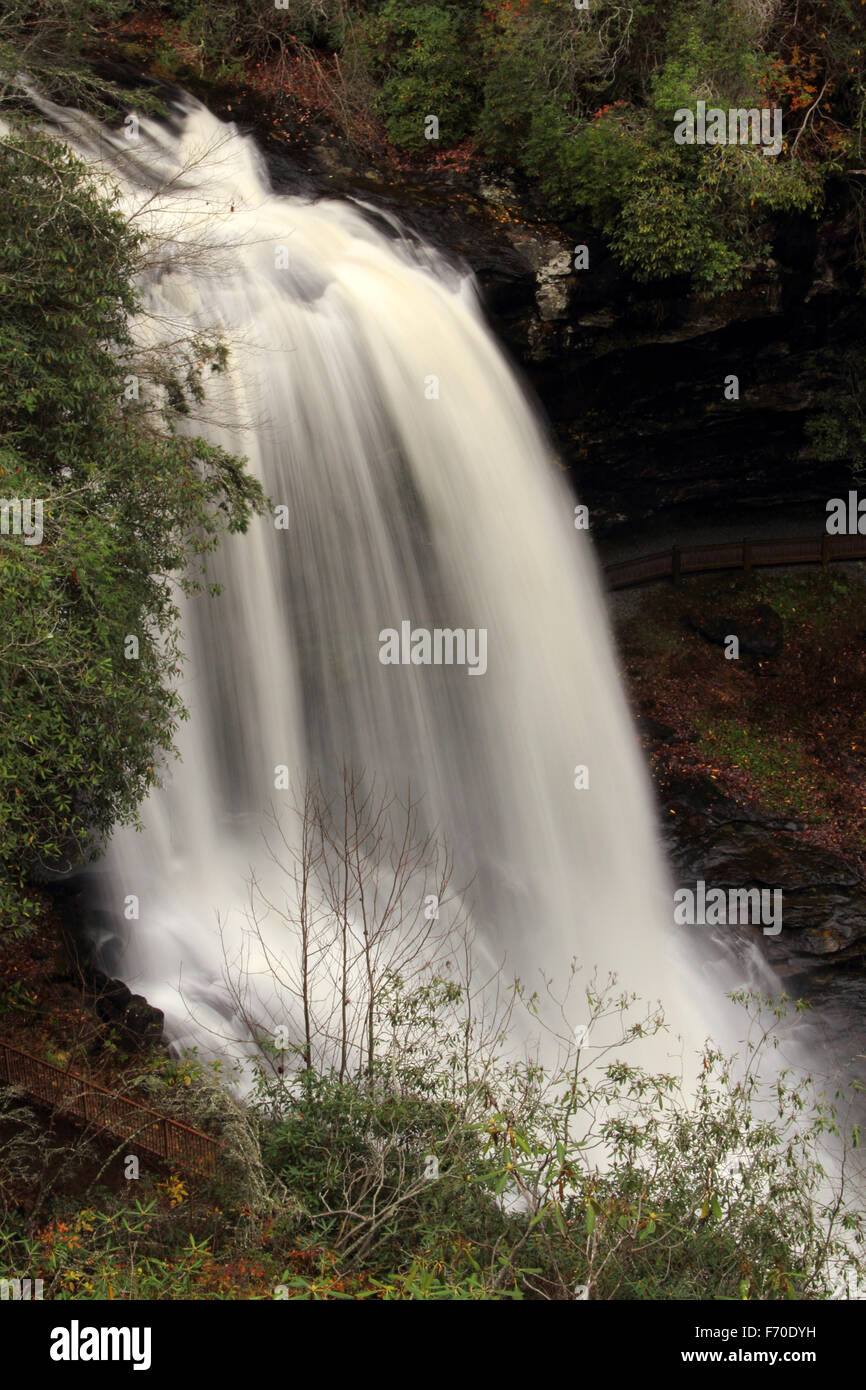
column 437, row 504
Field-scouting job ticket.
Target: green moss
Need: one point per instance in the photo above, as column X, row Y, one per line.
column 780, row 770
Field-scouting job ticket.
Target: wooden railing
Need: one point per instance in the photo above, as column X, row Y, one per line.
column 84, row 1100
column 735, row 555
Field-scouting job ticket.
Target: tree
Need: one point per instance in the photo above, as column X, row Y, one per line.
column 89, row 646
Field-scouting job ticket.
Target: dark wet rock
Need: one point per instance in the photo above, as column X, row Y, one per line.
column 740, row 855
column 760, row 629
column 138, row 1022
column 700, row 800
column 713, row 838
column 111, row 996
column 141, row 1024
column 653, row 729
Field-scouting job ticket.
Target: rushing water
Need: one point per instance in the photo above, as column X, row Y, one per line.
column 373, row 403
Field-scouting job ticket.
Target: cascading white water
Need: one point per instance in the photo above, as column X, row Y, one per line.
column 441, row 508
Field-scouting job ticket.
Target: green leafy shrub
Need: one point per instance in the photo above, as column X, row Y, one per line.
column 466, row 1170
column 422, row 58
column 590, row 1172
column 581, row 101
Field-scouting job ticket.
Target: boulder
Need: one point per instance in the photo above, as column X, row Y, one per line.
column 141, row 1024
column 711, row 837
column 760, row 629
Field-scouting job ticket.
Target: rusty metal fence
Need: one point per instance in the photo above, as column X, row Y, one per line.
column 84, row 1100
column 737, row 555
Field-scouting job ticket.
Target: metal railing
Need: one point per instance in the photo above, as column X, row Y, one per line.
column 75, row 1096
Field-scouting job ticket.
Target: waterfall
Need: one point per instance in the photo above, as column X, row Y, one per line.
column 373, row 403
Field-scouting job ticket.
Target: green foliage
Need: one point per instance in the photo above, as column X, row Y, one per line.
column 709, row 53
column 260, row 25
column 664, row 228
column 353, row 1155
column 127, row 505
column 581, row 101
column 588, row 1171
column 668, row 211
column 598, row 159
column 48, row 44
column 421, row 57
column 205, row 39
column 837, row 432
column 817, row 598
column 776, row 765
column 88, row 1256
